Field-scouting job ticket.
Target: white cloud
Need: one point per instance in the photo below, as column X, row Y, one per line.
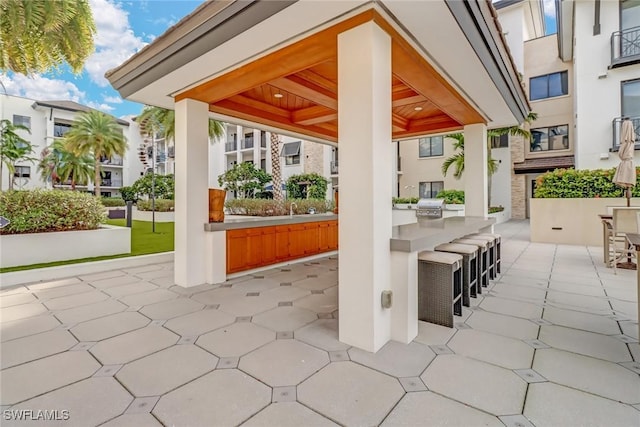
column 549, row 8
column 112, row 99
column 115, row 41
column 41, row 88
column 106, row 108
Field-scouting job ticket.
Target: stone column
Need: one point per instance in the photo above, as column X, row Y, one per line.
column 364, row 135
column 476, row 197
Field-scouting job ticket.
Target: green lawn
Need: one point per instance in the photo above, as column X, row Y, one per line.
column 143, row 242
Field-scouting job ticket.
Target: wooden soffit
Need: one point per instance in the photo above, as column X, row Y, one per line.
column 296, row 88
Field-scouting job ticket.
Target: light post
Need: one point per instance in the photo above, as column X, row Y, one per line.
column 153, row 182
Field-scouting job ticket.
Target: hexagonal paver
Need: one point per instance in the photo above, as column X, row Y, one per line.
column 506, row 352
column 25, row 327
column 165, row 370
column 130, row 289
column 431, row 334
column 133, row 345
column 227, row 396
column 77, row 300
column 217, row 296
column 147, row 298
column 397, row 359
column 283, row 362
column 319, row 303
column 138, row 420
column 111, row 282
column 35, row 347
column 578, row 320
column 172, row 308
column 91, row 311
column 53, row 284
column 21, row 311
column 429, row 409
column 109, row 326
column 351, row 394
column 507, row 326
column 319, row 283
column 285, row 318
column 322, row 333
column 587, row 343
column 576, row 371
column 511, row 307
column 34, row 378
column 84, row 401
column 286, row 293
column 592, row 303
column 16, row 299
column 478, row 384
column 247, row 305
column 256, row 285
column 62, row 291
column 198, row 323
column 288, row 414
column 550, row 404
column 236, row 340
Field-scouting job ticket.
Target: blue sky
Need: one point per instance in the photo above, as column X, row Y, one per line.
column 123, row 28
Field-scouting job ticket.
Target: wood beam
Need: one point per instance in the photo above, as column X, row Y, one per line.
column 319, row 80
column 313, row 115
column 245, row 100
column 399, row 122
column 306, row 90
column 400, row 102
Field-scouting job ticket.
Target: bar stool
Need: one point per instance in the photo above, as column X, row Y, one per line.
column 497, row 241
column 469, row 268
column 491, row 267
column 483, row 260
column 439, row 287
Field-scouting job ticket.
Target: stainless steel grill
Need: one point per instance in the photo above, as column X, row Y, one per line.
column 429, row 208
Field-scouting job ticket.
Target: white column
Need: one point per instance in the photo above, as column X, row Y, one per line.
column 364, row 135
column 475, row 170
column 192, row 199
column 256, row 148
column 239, row 136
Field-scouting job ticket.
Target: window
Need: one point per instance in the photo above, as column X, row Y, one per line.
column 105, row 193
column 429, row 190
column 291, row 153
column 548, row 86
column 22, row 172
column 430, row 147
column 629, row 14
column 22, row 121
column 501, row 141
column 631, row 98
column 59, row 129
column 550, row 138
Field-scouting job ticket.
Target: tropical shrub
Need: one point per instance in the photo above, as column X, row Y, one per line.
column 40, row 211
column 111, row 202
column 161, row 205
column 128, row 194
column 245, row 180
column 496, row 209
column 269, row 207
column 163, row 187
column 315, row 186
column 404, row 200
column 451, row 197
column 584, row 183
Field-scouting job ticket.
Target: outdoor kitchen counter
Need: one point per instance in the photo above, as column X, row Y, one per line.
column 266, row 221
column 428, row 233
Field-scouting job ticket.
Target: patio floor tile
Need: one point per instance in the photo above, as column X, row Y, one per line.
column 493, row 389
column 396, row 359
column 16, row 299
column 133, row 345
column 283, row 362
column 171, row 309
column 586, row 343
column 498, row 350
column 629, row 309
column 85, row 402
column 21, row 311
column 511, row 307
column 227, row 396
column 109, row 326
column 35, row 347
column 503, row 325
column 130, row 289
column 593, row 304
column 138, row 420
column 550, row 404
column 236, row 340
column 159, row 373
column 63, row 291
column 578, row 320
column 429, row 409
column 111, row 282
column 78, row 300
column 319, row 283
column 323, row 333
column 147, row 298
column 88, row 312
column 431, row 334
column 100, row 276
column 285, row 318
column 319, row 303
column 247, row 305
column 286, row 293
column 526, row 293
column 288, row 414
column 256, row 285
column 200, row 322
column 217, row 296
column 53, row 284
column 34, row 378
column 25, row 327
column 351, row 394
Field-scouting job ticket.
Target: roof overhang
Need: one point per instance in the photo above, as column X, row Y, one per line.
column 275, row 64
column 564, row 20
column 533, row 14
column 544, row 164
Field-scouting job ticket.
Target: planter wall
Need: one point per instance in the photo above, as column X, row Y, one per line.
column 36, row 248
column 147, row 216
column 571, row 221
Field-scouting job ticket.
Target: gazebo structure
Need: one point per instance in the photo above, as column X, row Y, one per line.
column 354, row 73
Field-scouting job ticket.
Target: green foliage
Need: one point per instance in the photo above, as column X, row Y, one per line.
column 269, row 207
column 315, row 189
column 111, row 202
column 163, row 187
column 584, row 183
column 59, row 165
column 404, row 200
column 41, row 211
column 160, row 121
column 161, row 205
column 13, row 148
column 496, row 209
column 128, row 194
column 451, row 197
column 245, row 180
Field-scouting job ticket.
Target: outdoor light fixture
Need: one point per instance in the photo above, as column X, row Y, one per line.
column 278, row 95
column 418, row 108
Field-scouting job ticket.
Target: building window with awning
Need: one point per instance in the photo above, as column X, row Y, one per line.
column 291, row 153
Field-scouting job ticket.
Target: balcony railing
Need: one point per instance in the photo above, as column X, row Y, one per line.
column 230, row 146
column 617, row 123
column 334, row 167
column 111, row 182
column 625, row 47
column 247, row 143
column 111, row 161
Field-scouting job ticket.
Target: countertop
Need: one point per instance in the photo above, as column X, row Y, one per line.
column 428, row 233
column 236, row 221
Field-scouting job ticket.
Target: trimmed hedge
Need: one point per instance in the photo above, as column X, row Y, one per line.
column 111, row 202
column 161, row 205
column 584, row 183
column 40, row 211
column 451, row 197
column 315, row 189
column 404, row 200
column 269, row 207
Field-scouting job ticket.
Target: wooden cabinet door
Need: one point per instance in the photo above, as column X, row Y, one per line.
column 323, row 236
column 254, row 247
column 297, row 242
column 236, row 250
column 268, row 250
column 311, row 238
column 282, row 242
column 333, row 235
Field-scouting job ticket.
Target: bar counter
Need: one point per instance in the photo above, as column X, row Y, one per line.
column 237, row 221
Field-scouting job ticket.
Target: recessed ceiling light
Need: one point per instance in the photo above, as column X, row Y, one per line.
column 278, row 95
column 418, row 108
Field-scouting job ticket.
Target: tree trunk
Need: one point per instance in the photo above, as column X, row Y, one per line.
column 10, row 180
column 276, row 171
column 97, row 177
column 1, row 172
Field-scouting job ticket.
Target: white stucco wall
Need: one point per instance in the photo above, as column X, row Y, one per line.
column 514, row 29
column 501, row 180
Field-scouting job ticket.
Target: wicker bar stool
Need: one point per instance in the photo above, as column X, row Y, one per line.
column 469, row 268
column 491, row 267
column 497, row 240
column 439, row 287
column 483, row 260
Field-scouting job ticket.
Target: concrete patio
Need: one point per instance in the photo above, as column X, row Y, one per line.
column 554, row 342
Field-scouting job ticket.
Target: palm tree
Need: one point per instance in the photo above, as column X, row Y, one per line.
column 96, row 133
column 13, row 148
column 58, row 164
column 163, row 121
column 37, row 35
column 276, row 171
